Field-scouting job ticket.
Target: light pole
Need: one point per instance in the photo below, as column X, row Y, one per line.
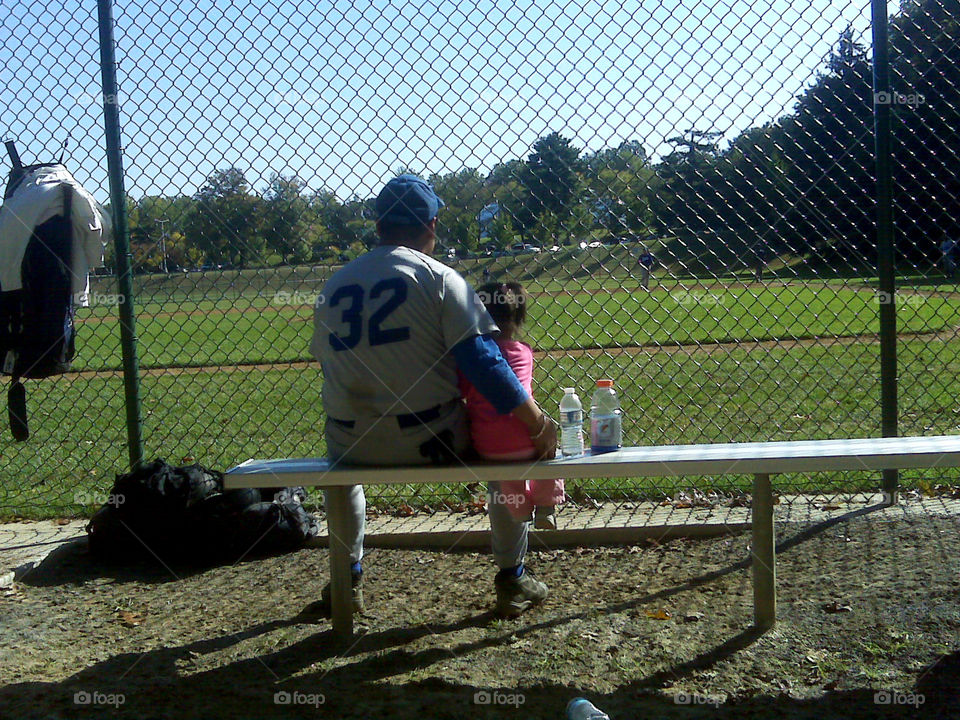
column 163, row 244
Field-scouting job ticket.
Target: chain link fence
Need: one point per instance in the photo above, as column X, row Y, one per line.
column 686, row 192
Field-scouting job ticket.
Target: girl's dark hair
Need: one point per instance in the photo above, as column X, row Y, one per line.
column 506, row 302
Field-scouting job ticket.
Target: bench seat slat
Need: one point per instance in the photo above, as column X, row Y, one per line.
column 865, row 454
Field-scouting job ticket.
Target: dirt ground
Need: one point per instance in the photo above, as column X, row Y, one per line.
column 869, row 627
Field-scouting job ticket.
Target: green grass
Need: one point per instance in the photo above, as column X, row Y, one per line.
column 225, row 417
column 692, row 395
column 257, row 329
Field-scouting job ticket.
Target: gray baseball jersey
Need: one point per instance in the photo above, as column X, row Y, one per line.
column 383, row 329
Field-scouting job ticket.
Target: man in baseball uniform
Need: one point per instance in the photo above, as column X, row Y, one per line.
column 390, row 331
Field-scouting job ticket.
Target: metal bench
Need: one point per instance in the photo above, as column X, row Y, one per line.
column 760, row 459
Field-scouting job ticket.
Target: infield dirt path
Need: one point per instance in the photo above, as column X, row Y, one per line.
column 724, row 348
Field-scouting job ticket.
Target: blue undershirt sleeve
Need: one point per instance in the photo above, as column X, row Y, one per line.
column 480, row 361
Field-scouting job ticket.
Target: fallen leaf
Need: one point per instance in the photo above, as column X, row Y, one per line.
column 658, row 614
column 130, row 619
column 836, row 607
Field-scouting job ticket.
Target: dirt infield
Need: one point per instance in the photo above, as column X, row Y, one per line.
column 723, row 348
column 869, row 627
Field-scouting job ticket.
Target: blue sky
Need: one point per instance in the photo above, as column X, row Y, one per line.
column 343, row 93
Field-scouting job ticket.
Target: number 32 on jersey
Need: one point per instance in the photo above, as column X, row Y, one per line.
column 350, row 299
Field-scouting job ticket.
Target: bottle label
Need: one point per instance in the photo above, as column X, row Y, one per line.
column 571, row 417
column 605, row 433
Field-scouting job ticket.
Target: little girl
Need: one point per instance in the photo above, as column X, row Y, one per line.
column 504, row 437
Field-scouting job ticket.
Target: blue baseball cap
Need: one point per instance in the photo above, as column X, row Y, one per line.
column 407, row 200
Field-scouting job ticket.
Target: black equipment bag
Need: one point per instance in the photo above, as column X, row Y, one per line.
column 183, row 515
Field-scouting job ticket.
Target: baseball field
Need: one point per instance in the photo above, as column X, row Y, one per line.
column 226, row 372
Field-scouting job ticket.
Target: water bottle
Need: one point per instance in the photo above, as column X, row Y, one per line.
column 582, row 709
column 606, row 432
column 571, row 424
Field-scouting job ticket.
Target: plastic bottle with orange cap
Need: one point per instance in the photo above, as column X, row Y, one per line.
column 606, row 428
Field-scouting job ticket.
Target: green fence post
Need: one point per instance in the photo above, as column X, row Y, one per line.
column 885, row 255
column 128, row 337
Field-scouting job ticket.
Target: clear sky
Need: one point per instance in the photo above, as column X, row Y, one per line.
column 343, row 93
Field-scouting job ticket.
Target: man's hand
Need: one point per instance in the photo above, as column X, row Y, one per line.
column 542, row 429
column 546, row 441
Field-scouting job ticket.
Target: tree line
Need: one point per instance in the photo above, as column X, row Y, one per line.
column 802, row 184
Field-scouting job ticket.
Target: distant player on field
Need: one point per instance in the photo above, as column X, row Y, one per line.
column 761, row 256
column 948, row 248
column 647, row 262
column 394, row 328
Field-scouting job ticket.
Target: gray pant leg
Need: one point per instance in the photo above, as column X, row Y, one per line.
column 509, row 535
column 355, row 520
column 379, row 441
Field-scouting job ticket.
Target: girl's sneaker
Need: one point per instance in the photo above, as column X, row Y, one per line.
column 545, row 517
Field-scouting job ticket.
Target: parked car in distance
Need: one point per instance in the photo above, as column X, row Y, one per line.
column 519, row 248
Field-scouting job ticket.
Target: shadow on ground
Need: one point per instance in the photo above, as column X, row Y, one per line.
column 385, row 673
column 152, row 686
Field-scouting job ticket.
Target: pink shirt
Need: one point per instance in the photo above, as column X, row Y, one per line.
column 495, row 436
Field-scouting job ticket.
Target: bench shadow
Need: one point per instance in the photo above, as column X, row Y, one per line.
column 156, row 685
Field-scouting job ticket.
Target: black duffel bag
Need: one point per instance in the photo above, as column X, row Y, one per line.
column 182, row 514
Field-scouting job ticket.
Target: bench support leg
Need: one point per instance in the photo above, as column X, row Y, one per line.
column 764, row 555
column 341, row 600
